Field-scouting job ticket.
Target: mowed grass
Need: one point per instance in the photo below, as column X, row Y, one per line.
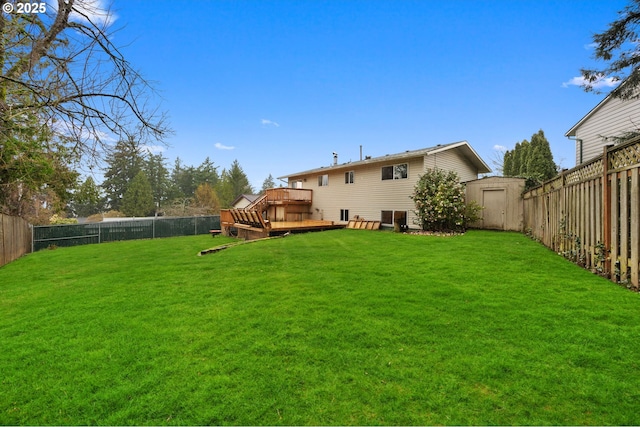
column 335, row 328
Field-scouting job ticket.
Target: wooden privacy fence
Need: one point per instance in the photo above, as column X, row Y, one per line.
column 591, row 214
column 15, row 238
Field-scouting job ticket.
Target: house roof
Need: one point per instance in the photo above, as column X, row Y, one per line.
column 250, row 197
column 462, row 147
column 574, row 129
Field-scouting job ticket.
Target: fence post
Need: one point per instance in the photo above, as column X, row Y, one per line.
column 606, row 205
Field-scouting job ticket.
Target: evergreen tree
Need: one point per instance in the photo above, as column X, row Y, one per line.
column 184, row 179
column 206, row 173
column 158, row 176
column 523, row 157
column 124, row 163
column 507, row 164
column 618, row 47
column 532, row 160
column 86, row 200
column 234, row 183
column 138, row 199
column 540, row 159
column 267, row 184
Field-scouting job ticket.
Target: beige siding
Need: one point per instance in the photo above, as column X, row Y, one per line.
column 451, row 160
column 613, row 118
column 367, row 196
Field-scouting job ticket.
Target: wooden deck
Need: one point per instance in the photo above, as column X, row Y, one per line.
column 278, row 211
column 306, row 224
column 249, row 228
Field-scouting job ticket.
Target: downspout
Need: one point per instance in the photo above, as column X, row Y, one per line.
column 580, row 147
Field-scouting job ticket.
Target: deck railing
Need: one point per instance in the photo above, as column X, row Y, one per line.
column 289, row 195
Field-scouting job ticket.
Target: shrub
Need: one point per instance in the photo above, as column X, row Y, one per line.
column 440, row 204
column 58, row 220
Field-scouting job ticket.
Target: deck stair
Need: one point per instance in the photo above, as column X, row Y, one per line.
column 249, row 218
column 260, row 204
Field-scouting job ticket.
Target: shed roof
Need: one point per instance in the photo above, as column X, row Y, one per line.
column 250, row 197
column 462, row 146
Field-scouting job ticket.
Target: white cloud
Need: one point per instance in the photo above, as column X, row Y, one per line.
column 266, row 122
column 68, row 129
column 590, row 46
column 153, row 149
column 96, row 11
column 598, row 84
column 498, row 147
column 223, row 147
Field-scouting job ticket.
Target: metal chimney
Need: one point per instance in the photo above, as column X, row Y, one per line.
column 335, row 158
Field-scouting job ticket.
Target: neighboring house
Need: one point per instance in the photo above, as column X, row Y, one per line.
column 611, row 118
column 380, row 188
column 244, row 200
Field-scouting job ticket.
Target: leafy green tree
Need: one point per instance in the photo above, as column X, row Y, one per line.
column 619, row 49
column 267, row 184
column 33, row 161
column 86, row 200
column 138, row 199
column 234, row 183
column 36, row 51
column 57, row 105
column 123, row 164
column 207, row 199
column 439, row 200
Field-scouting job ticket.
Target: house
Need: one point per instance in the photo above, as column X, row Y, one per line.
column 244, row 200
column 380, row 188
column 612, row 118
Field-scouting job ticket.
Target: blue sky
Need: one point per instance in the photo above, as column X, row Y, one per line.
column 280, row 85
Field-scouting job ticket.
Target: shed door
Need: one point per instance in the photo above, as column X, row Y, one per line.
column 494, row 202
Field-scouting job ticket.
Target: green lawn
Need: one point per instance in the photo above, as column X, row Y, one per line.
column 339, row 327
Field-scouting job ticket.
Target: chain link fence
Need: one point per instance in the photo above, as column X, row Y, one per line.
column 100, row 232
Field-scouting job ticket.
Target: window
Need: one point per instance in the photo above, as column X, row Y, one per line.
column 387, row 172
column 391, row 217
column 348, row 177
column 386, row 217
column 323, row 180
column 395, row 172
column 400, row 217
column 344, row 214
column 400, row 171
column 296, row 184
